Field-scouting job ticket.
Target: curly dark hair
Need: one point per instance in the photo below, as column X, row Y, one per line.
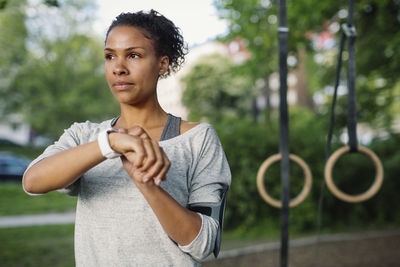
column 167, row 38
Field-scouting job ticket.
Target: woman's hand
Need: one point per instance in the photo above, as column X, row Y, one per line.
column 142, row 158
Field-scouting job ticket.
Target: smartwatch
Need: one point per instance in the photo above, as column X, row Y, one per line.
column 104, row 144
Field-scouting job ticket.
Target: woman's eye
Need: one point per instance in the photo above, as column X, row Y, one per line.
column 108, row 56
column 134, row 55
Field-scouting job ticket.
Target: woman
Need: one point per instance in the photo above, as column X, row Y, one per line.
column 136, row 176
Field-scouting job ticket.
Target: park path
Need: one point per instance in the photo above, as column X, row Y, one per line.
column 229, row 252
column 39, row 219
column 367, row 249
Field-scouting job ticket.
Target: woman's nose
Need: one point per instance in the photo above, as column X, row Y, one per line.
column 120, row 69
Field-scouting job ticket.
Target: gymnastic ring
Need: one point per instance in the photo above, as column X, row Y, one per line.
column 360, row 197
column 300, row 197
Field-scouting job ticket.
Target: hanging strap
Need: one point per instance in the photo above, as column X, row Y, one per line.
column 348, row 31
column 329, row 144
column 283, row 39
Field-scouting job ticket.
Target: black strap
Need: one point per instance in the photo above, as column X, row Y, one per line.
column 283, row 39
column 114, row 121
column 348, row 31
column 217, row 212
column 329, row 144
column 171, row 128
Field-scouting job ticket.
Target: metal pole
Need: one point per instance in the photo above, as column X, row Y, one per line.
column 283, row 38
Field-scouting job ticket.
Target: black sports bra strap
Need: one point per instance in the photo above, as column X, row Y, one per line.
column 171, row 128
column 114, row 121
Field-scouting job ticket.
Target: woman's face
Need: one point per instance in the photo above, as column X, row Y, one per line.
column 132, row 66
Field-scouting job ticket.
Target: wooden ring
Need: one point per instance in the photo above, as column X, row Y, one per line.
column 300, row 197
column 353, row 198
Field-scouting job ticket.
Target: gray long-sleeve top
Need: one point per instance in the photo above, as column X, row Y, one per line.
column 115, row 226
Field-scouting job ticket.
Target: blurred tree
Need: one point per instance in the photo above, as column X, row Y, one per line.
column 12, row 45
column 212, row 92
column 52, row 3
column 3, row 4
column 61, row 78
column 378, row 61
column 377, row 24
column 254, row 22
column 64, row 85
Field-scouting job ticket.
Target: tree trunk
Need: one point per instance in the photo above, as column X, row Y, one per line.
column 303, row 95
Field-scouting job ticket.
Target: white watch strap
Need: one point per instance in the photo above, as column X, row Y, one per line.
column 104, row 144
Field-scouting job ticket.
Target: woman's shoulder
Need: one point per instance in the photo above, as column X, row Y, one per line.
column 195, row 127
column 187, row 125
column 197, row 132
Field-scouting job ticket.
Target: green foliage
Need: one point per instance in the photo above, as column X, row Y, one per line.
column 247, row 145
column 251, row 21
column 52, row 3
column 212, row 92
column 65, row 84
column 378, row 85
column 50, row 245
column 12, row 44
column 3, row 4
column 378, row 82
column 377, row 24
column 60, row 78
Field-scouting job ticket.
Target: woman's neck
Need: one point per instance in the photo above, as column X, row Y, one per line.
column 152, row 116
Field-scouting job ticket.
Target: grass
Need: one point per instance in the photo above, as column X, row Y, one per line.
column 51, row 245
column 14, row 201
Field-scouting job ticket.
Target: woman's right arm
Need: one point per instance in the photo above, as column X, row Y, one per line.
column 62, row 169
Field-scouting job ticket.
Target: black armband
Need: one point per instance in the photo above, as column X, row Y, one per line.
column 215, row 211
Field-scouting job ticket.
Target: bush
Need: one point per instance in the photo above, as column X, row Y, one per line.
column 248, row 144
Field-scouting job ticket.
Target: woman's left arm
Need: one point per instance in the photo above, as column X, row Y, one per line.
column 181, row 224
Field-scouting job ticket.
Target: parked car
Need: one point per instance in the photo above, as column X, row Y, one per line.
column 12, row 167
column 6, row 142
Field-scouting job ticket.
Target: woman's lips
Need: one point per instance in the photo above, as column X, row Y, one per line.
column 120, row 86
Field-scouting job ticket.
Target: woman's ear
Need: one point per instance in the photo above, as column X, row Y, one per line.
column 164, row 63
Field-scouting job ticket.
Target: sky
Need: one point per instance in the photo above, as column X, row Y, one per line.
column 197, row 19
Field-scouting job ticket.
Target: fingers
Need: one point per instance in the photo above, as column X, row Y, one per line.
column 150, row 155
column 147, row 157
column 131, row 170
column 162, row 174
column 159, row 168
